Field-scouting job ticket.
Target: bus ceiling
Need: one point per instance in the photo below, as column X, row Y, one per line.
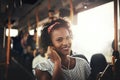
column 23, row 12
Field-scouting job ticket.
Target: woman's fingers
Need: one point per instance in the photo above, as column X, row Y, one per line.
column 52, row 54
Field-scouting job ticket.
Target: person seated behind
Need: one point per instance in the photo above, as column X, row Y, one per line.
column 31, row 45
column 24, row 41
column 30, row 51
column 56, row 41
column 17, row 47
column 52, row 15
column 116, row 65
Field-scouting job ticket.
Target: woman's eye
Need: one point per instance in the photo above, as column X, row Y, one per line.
column 59, row 40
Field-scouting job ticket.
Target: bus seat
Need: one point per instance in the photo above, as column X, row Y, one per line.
column 80, row 56
column 100, row 69
column 97, row 64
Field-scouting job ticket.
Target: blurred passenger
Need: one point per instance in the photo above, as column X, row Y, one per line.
column 115, row 62
column 24, row 42
column 52, row 15
column 17, row 48
column 116, row 65
column 31, row 44
column 56, row 40
column 31, row 51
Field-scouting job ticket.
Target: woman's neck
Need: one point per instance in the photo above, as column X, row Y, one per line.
column 68, row 62
column 65, row 61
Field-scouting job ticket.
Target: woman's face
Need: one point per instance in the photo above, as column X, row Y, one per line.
column 61, row 41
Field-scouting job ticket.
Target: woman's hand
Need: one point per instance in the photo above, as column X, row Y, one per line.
column 53, row 55
column 55, row 58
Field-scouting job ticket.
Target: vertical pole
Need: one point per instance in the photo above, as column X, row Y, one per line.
column 115, row 26
column 49, row 1
column 37, row 24
column 4, row 37
column 8, row 48
column 115, row 33
column 71, row 10
column 8, row 42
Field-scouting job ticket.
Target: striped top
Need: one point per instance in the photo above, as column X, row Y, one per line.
column 81, row 71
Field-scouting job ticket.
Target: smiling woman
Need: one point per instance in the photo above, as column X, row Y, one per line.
column 56, row 39
column 94, row 33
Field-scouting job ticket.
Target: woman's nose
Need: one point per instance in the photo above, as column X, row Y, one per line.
column 65, row 42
